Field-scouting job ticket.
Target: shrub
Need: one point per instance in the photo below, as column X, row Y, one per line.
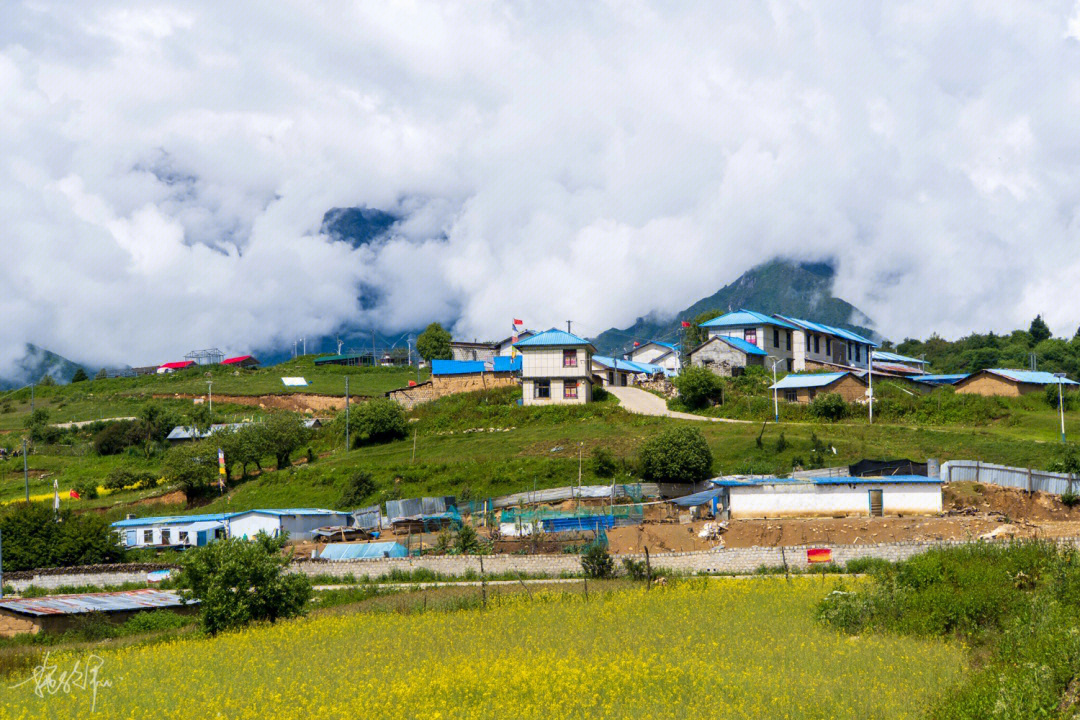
column 79, row 376
column 829, row 406
column 358, row 488
column 679, row 455
column 636, row 569
column 698, row 387
column 378, row 421
column 599, row 394
column 32, row 539
column 466, row 541
column 87, row 489
column 155, row 621
column 603, row 463
column 1070, row 499
column 239, row 581
column 596, row 562
column 112, row 439
column 781, row 443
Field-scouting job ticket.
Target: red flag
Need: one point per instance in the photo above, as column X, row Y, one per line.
column 685, row 324
column 636, row 343
column 518, row 322
column 818, row 555
column 74, row 495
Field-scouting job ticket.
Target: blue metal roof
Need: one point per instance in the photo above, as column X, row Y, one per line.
column 552, row 338
column 698, row 498
column 739, row 318
column 279, row 512
column 362, row 551
column 172, row 520
column 469, row 367
column 791, row 382
column 1034, row 377
column 94, row 602
column 940, row 379
column 626, row 365
column 670, row 346
column 894, row 357
column 739, row 344
column 830, row 330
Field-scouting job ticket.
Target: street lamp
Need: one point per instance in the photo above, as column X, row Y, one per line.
column 775, row 399
column 1061, row 401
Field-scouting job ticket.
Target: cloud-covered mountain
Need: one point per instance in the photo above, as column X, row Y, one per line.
column 34, row 364
column 168, row 168
column 802, row 290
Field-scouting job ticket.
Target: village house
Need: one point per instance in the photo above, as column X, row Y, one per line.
column 242, row 361
column 654, row 352
column 770, row 334
column 299, row 523
column 803, row 388
column 170, row 367
column 609, row 371
column 726, row 355
column 556, row 368
column 896, row 364
column 177, row 531
column 1010, row 383
column 829, row 496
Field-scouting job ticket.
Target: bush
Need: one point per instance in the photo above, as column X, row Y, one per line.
column 32, row 538
column 238, row 581
column 1070, row 499
column 596, row 562
column 155, row 621
column 636, row 569
column 112, row 439
column 679, row 455
column 603, row 463
column 599, row 393
column 466, row 541
column 698, row 387
column 87, row 489
column 358, row 488
column 829, row 407
column 378, row 421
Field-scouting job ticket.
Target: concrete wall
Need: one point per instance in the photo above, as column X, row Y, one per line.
column 810, row 500
column 548, row 363
column 558, row 392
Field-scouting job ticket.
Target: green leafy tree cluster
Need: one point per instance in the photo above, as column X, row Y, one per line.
column 377, row 421
column 434, row 343
column 679, row 455
column 698, row 387
column 829, row 406
column 359, row 487
column 695, row 335
column 34, row 539
column 238, row 582
column 597, row 563
column 191, row 466
column 40, row 428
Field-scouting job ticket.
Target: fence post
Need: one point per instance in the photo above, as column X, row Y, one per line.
column 1031, row 482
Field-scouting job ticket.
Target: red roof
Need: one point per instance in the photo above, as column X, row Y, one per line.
column 237, row 359
column 178, row 365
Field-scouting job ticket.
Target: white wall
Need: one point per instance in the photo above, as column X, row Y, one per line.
column 548, row 363
column 174, row 534
column 810, row 500
column 249, row 525
column 584, row 391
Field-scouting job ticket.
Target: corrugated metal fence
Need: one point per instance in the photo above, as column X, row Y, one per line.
column 635, row 492
column 1021, row 478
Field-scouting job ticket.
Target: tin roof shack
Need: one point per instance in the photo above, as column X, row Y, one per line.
column 57, row 613
column 172, row 531
column 830, row 497
column 1010, row 383
column 804, row 388
column 300, row 523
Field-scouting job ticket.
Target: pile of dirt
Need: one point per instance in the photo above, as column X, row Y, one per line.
column 294, row 402
column 969, row 497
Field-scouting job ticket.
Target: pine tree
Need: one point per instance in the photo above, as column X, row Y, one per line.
column 1039, row 330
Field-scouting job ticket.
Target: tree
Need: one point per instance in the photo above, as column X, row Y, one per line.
column 79, row 376
column 603, row 463
column 358, row 487
column 466, row 541
column 33, row 539
column 597, row 563
column 679, row 455
column 238, row 581
column 192, row 466
column 46, row 380
column 829, row 406
column 698, row 387
column 280, row 436
column 434, row 343
column 378, row 421
column 41, row 430
column 101, row 374
column 1039, row 330
column 695, row 335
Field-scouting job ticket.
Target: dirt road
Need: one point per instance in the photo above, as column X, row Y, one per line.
column 645, row 403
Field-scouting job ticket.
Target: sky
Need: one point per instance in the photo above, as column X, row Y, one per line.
column 165, row 166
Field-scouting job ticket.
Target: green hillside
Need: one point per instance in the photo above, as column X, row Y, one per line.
column 779, row 286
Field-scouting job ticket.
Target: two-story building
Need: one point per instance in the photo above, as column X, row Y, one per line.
column 556, row 368
column 773, row 335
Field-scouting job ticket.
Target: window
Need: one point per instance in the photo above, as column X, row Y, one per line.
column 789, row 340
column 148, row 537
column 183, row 537
column 569, row 358
column 858, row 353
column 817, row 343
column 165, row 537
column 791, row 395
column 569, row 390
column 828, row 346
column 849, row 353
column 775, row 338
column 750, row 335
column 542, row 389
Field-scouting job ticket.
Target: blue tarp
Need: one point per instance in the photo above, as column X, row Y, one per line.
column 571, row 524
column 362, row 551
column 698, row 498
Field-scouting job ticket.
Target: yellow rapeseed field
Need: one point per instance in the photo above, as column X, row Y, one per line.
column 705, row 648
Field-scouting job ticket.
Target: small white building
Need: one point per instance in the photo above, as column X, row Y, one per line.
column 298, row 522
column 176, row 531
column 829, row 496
column 654, row 352
column 556, row 368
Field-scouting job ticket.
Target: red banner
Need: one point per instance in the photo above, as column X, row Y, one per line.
column 818, row 555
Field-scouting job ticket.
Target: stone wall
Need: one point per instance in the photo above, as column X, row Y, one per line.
column 443, row 385
column 661, row 385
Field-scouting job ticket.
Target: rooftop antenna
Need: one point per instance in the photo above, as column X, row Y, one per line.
column 568, row 325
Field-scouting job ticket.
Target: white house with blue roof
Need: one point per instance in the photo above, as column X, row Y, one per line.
column 172, row 531
column 655, row 352
column 556, row 368
column 829, row 496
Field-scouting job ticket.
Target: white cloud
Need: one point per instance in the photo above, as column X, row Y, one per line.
column 164, row 168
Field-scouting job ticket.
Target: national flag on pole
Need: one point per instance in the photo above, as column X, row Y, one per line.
column 74, row 495
column 518, row 322
column 685, row 324
column 221, row 469
column 818, row 555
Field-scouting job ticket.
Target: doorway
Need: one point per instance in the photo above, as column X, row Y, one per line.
column 876, row 505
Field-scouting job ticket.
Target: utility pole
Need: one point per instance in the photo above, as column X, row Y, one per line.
column 210, row 392
column 870, row 376
column 568, row 325
column 775, row 397
column 346, row 413
column 304, row 342
column 1061, row 402
column 25, row 471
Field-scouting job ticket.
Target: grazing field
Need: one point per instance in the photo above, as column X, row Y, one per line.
column 701, row 648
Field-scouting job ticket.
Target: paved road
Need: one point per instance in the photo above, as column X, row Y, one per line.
column 642, row 402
